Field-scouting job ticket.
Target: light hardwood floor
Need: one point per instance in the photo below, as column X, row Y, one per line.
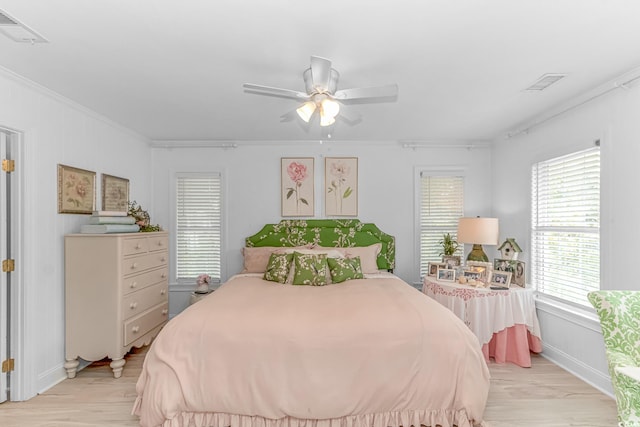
column 541, row 396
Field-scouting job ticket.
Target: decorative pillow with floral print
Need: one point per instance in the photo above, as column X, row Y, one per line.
column 343, row 269
column 278, row 267
column 310, row 269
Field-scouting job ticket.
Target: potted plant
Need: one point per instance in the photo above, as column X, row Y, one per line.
column 449, row 245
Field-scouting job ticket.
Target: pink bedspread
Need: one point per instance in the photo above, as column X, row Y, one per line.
column 371, row 352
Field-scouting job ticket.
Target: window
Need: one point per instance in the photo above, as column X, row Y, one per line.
column 198, row 226
column 441, row 205
column 565, row 223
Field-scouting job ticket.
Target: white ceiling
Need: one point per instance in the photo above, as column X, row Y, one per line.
column 173, row 70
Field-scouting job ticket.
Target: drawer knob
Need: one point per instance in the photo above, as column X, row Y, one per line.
column 163, row 275
column 163, row 259
column 138, row 246
column 162, row 292
column 134, row 265
column 165, row 311
column 133, row 305
column 135, row 329
column 160, row 243
column 133, row 285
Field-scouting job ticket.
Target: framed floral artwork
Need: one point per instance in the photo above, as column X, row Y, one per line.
column 76, row 190
column 115, row 193
column 341, row 186
column 297, row 186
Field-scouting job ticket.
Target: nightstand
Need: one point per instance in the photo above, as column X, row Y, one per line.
column 195, row 297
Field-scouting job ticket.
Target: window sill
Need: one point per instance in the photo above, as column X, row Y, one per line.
column 585, row 317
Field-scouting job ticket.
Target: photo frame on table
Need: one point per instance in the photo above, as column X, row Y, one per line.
column 341, row 186
column 500, row 264
column 446, row 274
column 297, row 186
column 501, row 278
column 76, row 190
column 115, row 193
column 487, row 265
column 451, row 261
column 477, row 272
column 434, row 266
column 518, row 277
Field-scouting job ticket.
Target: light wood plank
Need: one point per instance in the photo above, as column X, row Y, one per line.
column 541, row 396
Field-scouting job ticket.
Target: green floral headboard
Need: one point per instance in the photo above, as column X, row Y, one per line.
column 327, row 232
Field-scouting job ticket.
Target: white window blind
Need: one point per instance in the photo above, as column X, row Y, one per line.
column 198, row 226
column 565, row 202
column 441, row 205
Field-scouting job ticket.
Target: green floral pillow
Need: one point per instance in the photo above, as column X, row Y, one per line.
column 310, row 269
column 343, row 269
column 278, row 267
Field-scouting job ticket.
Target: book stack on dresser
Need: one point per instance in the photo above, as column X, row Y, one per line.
column 103, row 222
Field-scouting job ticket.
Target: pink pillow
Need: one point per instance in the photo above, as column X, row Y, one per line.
column 257, row 258
column 368, row 256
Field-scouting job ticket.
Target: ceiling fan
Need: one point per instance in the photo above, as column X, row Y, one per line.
column 322, row 97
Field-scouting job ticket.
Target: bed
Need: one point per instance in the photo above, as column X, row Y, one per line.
column 370, row 351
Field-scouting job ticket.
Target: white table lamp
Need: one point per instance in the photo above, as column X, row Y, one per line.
column 478, row 231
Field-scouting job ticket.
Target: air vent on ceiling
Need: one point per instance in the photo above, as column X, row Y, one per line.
column 17, row 31
column 545, row 81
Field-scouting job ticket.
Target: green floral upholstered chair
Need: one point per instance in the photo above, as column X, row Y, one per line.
column 619, row 313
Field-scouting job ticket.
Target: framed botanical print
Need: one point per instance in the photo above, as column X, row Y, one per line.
column 297, row 186
column 341, row 186
column 115, row 193
column 76, row 190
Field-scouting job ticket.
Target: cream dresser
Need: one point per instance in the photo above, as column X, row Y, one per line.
column 116, row 295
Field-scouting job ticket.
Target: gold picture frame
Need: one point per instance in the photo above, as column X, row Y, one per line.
column 297, row 186
column 115, row 193
column 76, row 190
column 341, row 186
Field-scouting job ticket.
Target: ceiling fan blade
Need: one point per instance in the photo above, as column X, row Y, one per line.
column 367, row 92
column 276, row 91
column 320, row 73
column 348, row 115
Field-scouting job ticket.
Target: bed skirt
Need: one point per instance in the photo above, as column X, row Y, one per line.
column 387, row 419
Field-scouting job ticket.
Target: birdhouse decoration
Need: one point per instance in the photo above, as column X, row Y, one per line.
column 509, row 249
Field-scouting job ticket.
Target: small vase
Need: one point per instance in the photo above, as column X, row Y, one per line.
column 202, row 289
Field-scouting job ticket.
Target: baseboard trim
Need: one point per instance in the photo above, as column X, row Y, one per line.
column 586, row 373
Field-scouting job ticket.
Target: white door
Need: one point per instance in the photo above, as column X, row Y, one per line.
column 4, row 241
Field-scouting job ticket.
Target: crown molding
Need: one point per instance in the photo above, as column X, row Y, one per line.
column 625, row 81
column 36, row 87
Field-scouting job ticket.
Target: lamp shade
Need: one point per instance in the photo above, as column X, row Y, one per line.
column 478, row 231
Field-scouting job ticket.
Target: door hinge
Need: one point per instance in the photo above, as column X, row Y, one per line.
column 8, row 265
column 8, row 165
column 8, row 365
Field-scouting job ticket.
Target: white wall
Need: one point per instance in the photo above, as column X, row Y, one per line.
column 573, row 340
column 55, row 130
column 251, row 173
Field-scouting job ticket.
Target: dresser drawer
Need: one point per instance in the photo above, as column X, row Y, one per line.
column 158, row 243
column 135, row 283
column 142, row 300
column 138, row 326
column 139, row 245
column 144, row 262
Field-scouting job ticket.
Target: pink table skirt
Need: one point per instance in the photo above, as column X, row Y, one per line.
column 512, row 345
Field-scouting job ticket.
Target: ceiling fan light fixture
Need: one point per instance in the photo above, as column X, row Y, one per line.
column 329, row 108
column 327, row 120
column 306, row 110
